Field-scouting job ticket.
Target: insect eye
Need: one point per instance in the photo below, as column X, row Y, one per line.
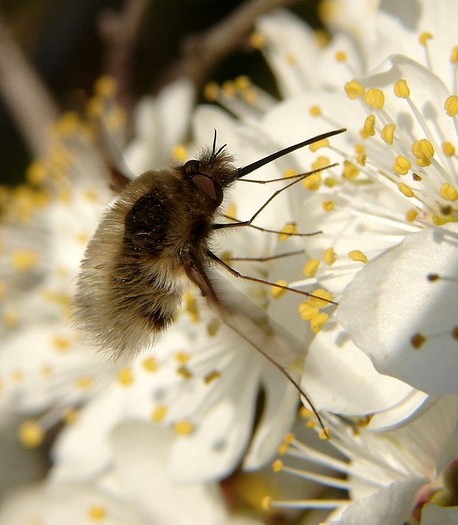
column 210, row 187
column 191, row 167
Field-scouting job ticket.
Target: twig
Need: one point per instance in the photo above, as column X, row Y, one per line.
column 24, row 94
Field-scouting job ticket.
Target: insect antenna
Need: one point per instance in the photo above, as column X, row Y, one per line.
column 220, row 149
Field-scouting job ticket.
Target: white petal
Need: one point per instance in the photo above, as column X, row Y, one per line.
column 432, row 514
column 391, row 304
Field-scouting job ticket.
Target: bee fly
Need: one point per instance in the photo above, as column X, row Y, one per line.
column 151, row 241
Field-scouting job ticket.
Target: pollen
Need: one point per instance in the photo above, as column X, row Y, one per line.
column 387, row 133
column 97, row 513
column 315, row 111
column 424, row 37
column 423, row 148
column 289, row 173
column 61, row 343
column 307, row 311
column 451, row 105
column 288, row 230
column 23, row 260
column 329, row 205
column 184, row 428
column 257, row 40
column 341, row 56
column 417, row 341
column 449, row 192
column 402, row 165
column 448, row 148
column 183, row 357
column 36, row 173
column 278, row 292
column 330, row 256
column 277, row 465
column 180, row 153
column 354, row 90
column 401, row 89
column 311, row 267
column 266, row 503
column 357, row 256
column 375, row 98
column 312, row 182
column 184, row 372
column 159, row 413
column 31, row 433
column 191, row 306
column 320, row 162
column 321, row 298
column 369, row 126
column 350, row 171
column 319, row 144
column 126, row 376
column 454, row 55
column 411, row 215
column 317, row 323
column 84, row 383
column 150, row 364
column 406, row 190
column 105, row 86
column 212, row 376
column 211, row 91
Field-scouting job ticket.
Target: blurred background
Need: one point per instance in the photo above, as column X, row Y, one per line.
column 69, row 44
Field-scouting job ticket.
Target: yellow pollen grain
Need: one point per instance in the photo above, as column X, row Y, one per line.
column 311, row 267
column 211, row 91
column 184, row 372
column 387, row 133
column 183, row 357
column 341, row 56
column 411, row 215
column 312, row 182
column 451, row 105
column 184, row 428
column 317, row 323
column 277, row 465
column 266, row 503
column 320, row 162
column 319, row 144
column 61, row 343
column 23, row 260
column 354, row 90
column 406, row 190
column 106, row 86
column 369, row 126
column 328, row 205
column 150, row 364
column 418, row 340
column 257, row 40
column 277, row 293
column 315, row 111
column 243, row 82
column 36, row 173
column 448, row 148
column 307, row 311
column 212, row 376
column 84, row 383
column 401, row 89
column 288, row 230
column 180, row 153
column 320, row 298
column 423, row 148
column 424, row 37
column 448, row 192
column 324, row 435
column 423, row 162
column 31, row 434
column 159, row 413
column 97, row 513
column 126, row 376
column 375, row 98
column 350, row 170
column 290, row 172
column 454, row 55
column 330, row 256
column 331, row 182
column 402, row 165
column 357, row 256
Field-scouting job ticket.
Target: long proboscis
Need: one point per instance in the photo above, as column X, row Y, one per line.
column 241, row 172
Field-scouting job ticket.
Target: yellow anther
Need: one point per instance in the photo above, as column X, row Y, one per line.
column 448, row 192
column 330, row 182
column 418, row 340
column 61, row 343
column 36, row 173
column 319, row 144
column 354, row 89
column 312, row 182
column 328, row 205
column 183, row 357
column 387, row 133
column 31, row 433
column 257, row 40
column 350, row 171
column 320, row 298
column 369, row 126
column 324, row 435
column 411, row 215
column 320, row 162
column 424, row 37
column 84, row 383
column 375, row 98
column 184, row 428
column 191, row 306
column 180, row 153
column 266, row 503
column 330, row 256
column 401, row 89
column 451, row 105
column 106, row 86
column 402, row 165
column 307, row 311
column 276, row 292
column 97, row 513
column 71, row 416
column 228, row 89
column 454, row 55
column 341, row 56
column 448, row 148
column 150, row 364
column 213, row 327
column 159, row 413
column 311, row 267
column 361, row 158
column 277, row 465
column 406, row 190
column 291, row 59
column 211, row 91
column 288, row 230
column 290, row 172
column 126, row 376
column 184, row 372
column 212, row 376
column 423, row 148
column 315, row 111
column 10, row 318
column 358, row 256
column 423, row 162
column 317, row 323
column 243, row 82
column 91, row 195
column 23, row 260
